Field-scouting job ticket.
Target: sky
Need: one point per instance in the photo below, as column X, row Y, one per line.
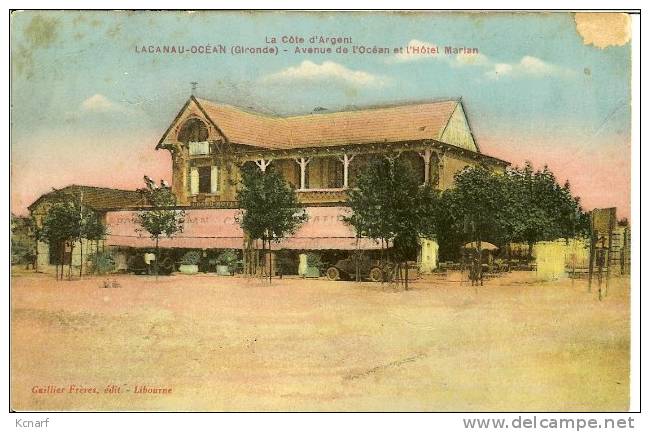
column 88, row 105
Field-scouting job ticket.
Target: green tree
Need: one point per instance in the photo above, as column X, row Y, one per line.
column 161, row 219
column 520, row 205
column 61, row 227
column 269, row 207
column 92, row 229
column 449, row 231
column 389, row 204
column 542, row 209
column 23, row 250
column 479, row 207
column 87, row 222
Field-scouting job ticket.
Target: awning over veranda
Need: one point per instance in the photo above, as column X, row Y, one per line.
column 218, row 229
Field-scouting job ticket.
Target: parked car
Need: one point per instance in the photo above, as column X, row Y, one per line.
column 374, row 270
column 137, row 264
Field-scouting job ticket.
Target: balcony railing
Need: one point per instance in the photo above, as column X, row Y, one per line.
column 315, row 196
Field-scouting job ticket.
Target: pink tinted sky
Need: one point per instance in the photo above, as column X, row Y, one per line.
column 88, row 109
column 599, row 173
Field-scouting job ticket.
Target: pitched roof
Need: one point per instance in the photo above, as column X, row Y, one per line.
column 414, row 121
column 98, row 198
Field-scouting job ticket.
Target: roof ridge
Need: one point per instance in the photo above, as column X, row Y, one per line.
column 343, row 110
column 94, row 187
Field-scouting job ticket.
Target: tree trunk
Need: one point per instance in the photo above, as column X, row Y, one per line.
column 263, row 254
column 270, row 262
column 480, row 260
column 157, row 259
column 70, row 264
column 62, row 257
column 381, row 261
column 406, row 276
column 356, row 261
column 57, row 262
column 81, row 257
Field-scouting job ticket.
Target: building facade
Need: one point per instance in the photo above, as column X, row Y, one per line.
column 319, row 154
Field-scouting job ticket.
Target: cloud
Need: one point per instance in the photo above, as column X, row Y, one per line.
column 527, row 66
column 327, row 71
column 470, row 60
column 417, row 50
column 99, row 103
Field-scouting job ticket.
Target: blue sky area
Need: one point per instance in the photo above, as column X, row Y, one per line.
column 76, row 76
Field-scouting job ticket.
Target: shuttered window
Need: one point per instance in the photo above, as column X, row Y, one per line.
column 214, row 179
column 205, row 179
column 199, row 148
column 194, row 181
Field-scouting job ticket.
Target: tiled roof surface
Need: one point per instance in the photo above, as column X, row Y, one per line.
column 98, row 198
column 371, row 125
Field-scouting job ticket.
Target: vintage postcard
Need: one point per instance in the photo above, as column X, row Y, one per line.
column 321, row 211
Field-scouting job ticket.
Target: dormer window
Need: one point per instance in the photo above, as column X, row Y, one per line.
column 193, row 130
column 194, row 133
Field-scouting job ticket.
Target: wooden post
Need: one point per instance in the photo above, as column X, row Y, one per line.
column 346, row 163
column 426, row 155
column 592, row 250
column 612, row 221
column 303, row 168
column 441, row 168
column 263, row 164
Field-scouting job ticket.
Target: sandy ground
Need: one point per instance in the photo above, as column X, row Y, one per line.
column 232, row 344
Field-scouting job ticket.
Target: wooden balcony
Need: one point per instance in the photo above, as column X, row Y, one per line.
column 322, row 196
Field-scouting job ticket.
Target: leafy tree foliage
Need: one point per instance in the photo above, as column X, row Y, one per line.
column 520, row 205
column 69, row 220
column 270, row 207
column 541, row 209
column 22, row 240
column 161, row 219
column 389, row 204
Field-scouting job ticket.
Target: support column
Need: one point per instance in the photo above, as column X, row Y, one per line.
column 346, row 164
column 180, row 173
column 303, row 167
column 263, row 164
column 426, row 155
column 441, row 167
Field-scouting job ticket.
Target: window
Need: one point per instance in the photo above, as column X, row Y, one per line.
column 334, row 173
column 204, row 179
column 199, row 148
column 193, row 130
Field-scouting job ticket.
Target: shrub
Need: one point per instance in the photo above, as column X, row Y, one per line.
column 315, row 260
column 102, row 262
column 228, row 258
column 191, row 258
column 21, row 253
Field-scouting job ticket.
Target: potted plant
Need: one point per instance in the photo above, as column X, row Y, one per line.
column 226, row 262
column 190, row 262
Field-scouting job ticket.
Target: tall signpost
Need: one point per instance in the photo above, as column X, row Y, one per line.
column 603, row 222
